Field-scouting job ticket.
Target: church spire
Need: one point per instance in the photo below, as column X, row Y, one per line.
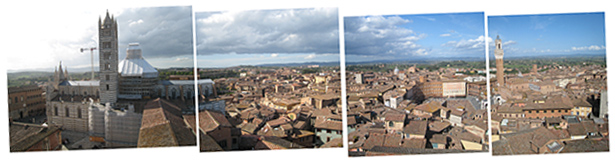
column 108, row 19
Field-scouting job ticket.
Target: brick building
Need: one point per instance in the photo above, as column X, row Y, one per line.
column 25, row 101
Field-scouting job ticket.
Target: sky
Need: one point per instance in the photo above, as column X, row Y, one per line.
column 549, row 34
column 449, row 36
column 164, row 34
column 254, row 37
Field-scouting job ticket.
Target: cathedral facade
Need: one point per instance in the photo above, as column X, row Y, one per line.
column 107, row 109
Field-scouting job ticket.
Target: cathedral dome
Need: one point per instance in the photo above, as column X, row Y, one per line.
column 134, row 65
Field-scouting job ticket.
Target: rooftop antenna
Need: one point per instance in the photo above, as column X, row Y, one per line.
column 91, row 57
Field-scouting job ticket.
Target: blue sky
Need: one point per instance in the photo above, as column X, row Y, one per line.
column 549, row 34
column 255, row 37
column 450, row 36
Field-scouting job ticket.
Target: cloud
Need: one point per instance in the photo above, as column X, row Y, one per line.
column 422, row 52
column 135, row 23
column 268, row 31
column 381, row 36
column 183, row 59
column 477, row 44
column 510, row 42
column 591, row 48
column 445, row 35
column 164, row 32
column 160, row 31
column 274, row 55
column 311, row 56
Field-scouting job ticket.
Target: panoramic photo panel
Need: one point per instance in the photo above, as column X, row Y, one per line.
column 269, row 79
column 116, row 79
column 550, row 89
column 416, row 84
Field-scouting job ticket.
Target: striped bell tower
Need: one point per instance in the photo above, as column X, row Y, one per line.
column 108, row 59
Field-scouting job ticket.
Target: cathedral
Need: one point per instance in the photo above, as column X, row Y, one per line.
column 110, row 110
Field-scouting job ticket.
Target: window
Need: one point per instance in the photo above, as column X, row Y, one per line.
column 107, row 77
column 106, row 45
column 544, row 111
column 55, row 110
column 107, row 56
column 78, row 112
column 67, row 112
column 107, row 87
column 391, row 124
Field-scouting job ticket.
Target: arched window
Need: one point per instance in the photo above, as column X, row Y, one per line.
column 391, row 124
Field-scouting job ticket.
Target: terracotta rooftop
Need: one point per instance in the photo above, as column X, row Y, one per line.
column 416, row 127
column 24, row 135
column 519, row 143
column 210, row 120
column 414, row 143
column 324, row 123
column 431, row 106
column 160, row 127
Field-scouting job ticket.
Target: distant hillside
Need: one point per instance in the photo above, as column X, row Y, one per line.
column 37, row 77
column 418, row 60
column 336, row 63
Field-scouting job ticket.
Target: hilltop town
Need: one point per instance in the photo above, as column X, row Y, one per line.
column 263, row 108
column 558, row 106
column 416, row 110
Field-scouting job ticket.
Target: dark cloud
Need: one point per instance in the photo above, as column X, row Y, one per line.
column 380, row 36
column 161, row 31
column 268, row 31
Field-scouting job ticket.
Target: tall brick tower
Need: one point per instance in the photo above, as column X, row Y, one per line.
column 108, row 59
column 499, row 61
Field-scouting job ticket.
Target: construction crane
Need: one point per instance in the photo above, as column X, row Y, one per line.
column 92, row 57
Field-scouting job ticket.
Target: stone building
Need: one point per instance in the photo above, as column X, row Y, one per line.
column 108, row 59
column 110, row 109
column 25, row 101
